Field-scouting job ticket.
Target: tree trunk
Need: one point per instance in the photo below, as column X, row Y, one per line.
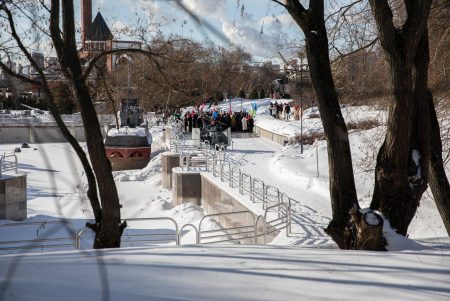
column 438, row 179
column 400, row 178
column 342, row 184
column 431, row 143
column 109, row 230
column 369, row 230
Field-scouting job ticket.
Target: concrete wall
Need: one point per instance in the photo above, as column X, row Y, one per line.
column 277, row 138
column 169, row 161
column 13, row 197
column 217, row 197
column 18, row 133
column 188, row 186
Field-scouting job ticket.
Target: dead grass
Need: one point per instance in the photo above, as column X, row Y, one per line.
column 363, row 125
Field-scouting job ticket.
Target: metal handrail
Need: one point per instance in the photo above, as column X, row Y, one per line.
column 241, row 183
column 185, row 226
column 268, row 196
column 260, row 217
column 152, row 234
column 255, row 181
column 175, row 239
column 258, row 190
column 6, row 165
column 228, row 229
column 287, row 216
column 42, row 243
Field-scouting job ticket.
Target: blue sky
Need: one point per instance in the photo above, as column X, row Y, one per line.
column 241, row 29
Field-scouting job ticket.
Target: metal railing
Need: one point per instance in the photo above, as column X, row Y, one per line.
column 216, row 161
column 7, row 165
column 227, row 233
column 153, row 237
column 282, row 221
column 242, row 232
column 257, row 190
column 42, row 242
column 193, row 227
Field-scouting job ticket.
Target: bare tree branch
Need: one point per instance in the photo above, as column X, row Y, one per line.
column 374, row 41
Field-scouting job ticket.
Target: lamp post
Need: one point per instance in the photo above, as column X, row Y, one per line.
column 301, row 102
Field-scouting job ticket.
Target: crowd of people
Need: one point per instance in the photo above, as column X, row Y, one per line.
column 237, row 121
column 284, row 111
column 217, row 119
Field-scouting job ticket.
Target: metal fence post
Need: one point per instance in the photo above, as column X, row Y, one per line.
column 251, row 190
column 264, row 195
column 241, row 183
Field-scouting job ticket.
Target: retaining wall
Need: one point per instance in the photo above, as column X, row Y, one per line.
column 215, row 197
column 13, row 197
column 18, row 133
column 277, row 138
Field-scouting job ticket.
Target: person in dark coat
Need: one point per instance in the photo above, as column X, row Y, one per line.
column 250, row 124
column 287, row 111
column 190, row 122
column 186, row 117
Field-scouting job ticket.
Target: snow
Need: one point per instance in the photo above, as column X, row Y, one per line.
column 129, row 131
column 227, row 273
column 306, row 265
column 416, row 158
column 372, row 219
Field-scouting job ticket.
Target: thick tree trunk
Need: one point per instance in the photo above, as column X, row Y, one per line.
column 342, row 184
column 109, row 231
column 400, row 175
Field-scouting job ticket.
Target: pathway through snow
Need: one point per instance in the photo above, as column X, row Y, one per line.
column 307, row 223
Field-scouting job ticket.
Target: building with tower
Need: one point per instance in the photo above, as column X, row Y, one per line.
column 96, row 37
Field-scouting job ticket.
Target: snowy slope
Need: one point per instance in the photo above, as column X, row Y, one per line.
column 227, row 273
column 56, row 189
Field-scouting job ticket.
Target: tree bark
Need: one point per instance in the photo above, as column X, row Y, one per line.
column 399, row 181
column 439, row 183
column 369, row 230
column 431, row 143
column 342, row 184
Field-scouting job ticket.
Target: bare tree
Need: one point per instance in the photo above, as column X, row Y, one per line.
column 105, row 204
column 402, row 168
column 342, row 184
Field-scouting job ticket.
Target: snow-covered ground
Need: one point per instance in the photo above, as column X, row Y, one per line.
column 228, row 273
column 311, row 269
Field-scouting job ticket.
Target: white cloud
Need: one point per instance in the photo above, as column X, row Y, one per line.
column 208, row 8
column 248, row 37
column 245, row 32
column 152, row 5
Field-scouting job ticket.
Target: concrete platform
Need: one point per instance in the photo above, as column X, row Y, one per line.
column 187, row 186
column 13, row 197
column 169, row 161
